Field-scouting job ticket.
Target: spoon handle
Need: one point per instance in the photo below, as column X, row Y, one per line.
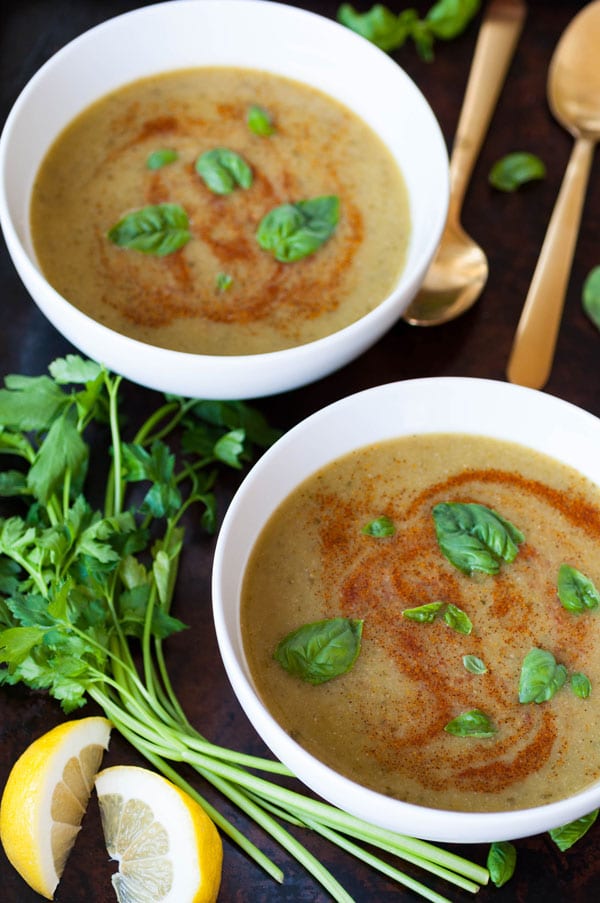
column 494, row 50
column 533, row 347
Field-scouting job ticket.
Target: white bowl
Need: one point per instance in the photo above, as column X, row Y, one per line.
column 248, row 33
column 456, row 405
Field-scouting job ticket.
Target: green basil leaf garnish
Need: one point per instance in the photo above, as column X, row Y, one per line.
column 541, row 676
column 223, row 170
column 260, row 121
column 581, row 685
column 457, row 619
column 475, row 538
column 471, row 724
column 223, row 281
column 474, row 665
column 514, row 170
column 576, row 592
column 322, row 650
column 380, row 526
column 565, row 836
column 293, row 231
column 591, row 296
column 501, row 862
column 159, row 158
column 424, row 614
column 453, row 616
column 157, row 229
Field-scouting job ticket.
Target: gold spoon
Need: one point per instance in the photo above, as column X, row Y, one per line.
column 459, row 270
column 574, row 98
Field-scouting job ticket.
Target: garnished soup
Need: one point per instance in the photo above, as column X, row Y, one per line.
column 423, row 616
column 221, row 210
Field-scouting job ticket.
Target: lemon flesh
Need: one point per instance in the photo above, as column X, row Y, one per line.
column 45, row 799
column 167, row 847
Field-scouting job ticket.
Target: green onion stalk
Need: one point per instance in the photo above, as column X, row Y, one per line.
column 86, row 597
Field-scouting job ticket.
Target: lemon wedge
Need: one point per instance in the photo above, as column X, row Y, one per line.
column 167, row 847
column 46, row 796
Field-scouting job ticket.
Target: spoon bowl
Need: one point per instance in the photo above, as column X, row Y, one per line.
column 574, row 98
column 459, row 271
column 454, row 281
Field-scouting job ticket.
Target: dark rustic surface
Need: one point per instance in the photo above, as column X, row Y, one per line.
column 510, row 228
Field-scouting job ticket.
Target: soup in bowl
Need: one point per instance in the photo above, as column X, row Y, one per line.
column 406, row 598
column 242, row 206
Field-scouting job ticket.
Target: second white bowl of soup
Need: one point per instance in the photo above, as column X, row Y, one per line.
column 241, row 206
column 406, row 597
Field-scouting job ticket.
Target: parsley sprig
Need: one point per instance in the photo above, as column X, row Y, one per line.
column 86, row 587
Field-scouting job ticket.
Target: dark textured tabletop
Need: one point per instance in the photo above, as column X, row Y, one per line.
column 510, row 227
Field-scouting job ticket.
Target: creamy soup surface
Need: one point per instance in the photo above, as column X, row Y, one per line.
column 382, row 723
column 96, row 172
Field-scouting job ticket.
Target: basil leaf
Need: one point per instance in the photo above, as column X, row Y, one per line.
column 474, row 665
column 259, row 121
column 293, row 231
column 565, row 836
column 159, row 158
column 591, row 296
column 322, row 650
column 423, row 614
column 581, row 685
column 223, row 282
column 445, row 20
column 457, row 619
column 501, row 862
column 379, row 25
column 471, row 724
column 223, row 170
column 514, row 170
column 475, row 538
column 576, row 592
column 158, row 229
column 541, row 676
column 380, row 526
column 449, row 18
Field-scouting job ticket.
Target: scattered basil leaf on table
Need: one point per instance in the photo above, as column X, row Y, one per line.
column 322, row 650
column 581, row 685
column 379, row 527
column 260, row 121
column 223, row 170
column 157, row 229
column 162, row 157
column 223, row 281
column 516, row 169
column 576, row 592
column 445, row 20
column 379, row 24
column 293, row 231
column 501, row 862
column 475, row 538
column 541, row 676
column 565, row 836
column 474, row 724
column 591, row 296
column 474, row 665
column 449, row 18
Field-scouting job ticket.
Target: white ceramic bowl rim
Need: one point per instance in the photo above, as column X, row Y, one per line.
column 439, row 405
column 266, row 35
